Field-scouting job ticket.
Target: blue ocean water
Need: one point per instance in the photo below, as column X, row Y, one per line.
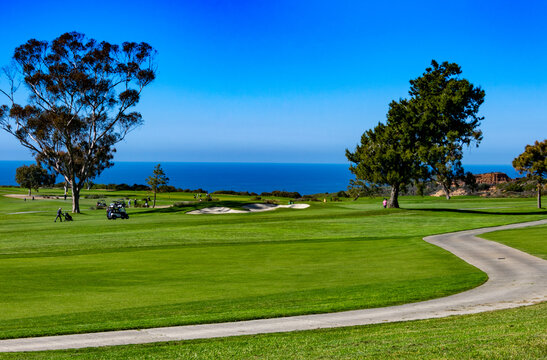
column 253, row 177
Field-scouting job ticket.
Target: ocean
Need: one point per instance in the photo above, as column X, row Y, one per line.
column 252, row 177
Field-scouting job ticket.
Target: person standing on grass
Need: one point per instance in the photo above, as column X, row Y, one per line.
column 59, row 213
column 384, row 203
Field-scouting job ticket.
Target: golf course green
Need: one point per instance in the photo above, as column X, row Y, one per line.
column 163, row 267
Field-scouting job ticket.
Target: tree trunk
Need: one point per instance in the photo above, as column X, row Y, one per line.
column 446, row 190
column 154, row 205
column 394, row 197
column 539, row 196
column 29, row 192
column 75, row 197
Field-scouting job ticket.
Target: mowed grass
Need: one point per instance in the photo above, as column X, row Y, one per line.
column 163, row 267
column 508, row 334
column 532, row 240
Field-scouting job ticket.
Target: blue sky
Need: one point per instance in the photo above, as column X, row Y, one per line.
column 300, row 81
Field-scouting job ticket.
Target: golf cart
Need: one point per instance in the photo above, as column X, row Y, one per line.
column 116, row 210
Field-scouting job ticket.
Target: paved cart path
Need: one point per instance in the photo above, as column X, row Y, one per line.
column 515, row 279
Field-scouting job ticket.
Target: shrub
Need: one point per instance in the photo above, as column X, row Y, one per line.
column 278, row 193
column 94, row 196
column 513, row 187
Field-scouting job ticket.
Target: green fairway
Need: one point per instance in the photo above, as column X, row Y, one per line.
column 532, row 240
column 508, row 334
column 163, row 267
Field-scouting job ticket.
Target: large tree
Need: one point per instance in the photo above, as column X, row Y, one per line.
column 32, row 177
column 157, row 179
column 445, row 119
column 533, row 162
column 81, row 95
column 424, row 135
column 386, row 153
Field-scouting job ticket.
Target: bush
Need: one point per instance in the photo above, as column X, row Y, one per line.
column 94, row 196
column 122, row 187
column 278, row 193
column 232, row 192
column 168, row 188
column 513, row 187
column 483, row 187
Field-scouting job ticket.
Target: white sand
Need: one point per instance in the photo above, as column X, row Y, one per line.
column 37, row 197
column 248, row 208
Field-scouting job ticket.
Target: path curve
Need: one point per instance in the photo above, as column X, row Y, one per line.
column 515, row 279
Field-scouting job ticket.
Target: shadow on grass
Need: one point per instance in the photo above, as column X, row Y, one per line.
column 479, row 212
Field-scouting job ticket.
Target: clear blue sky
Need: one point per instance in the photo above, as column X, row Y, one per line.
column 299, row 81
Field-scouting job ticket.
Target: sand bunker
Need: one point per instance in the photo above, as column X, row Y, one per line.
column 248, row 208
column 37, row 197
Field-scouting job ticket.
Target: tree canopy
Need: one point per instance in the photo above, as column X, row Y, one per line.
column 33, row 177
column 157, row 179
column 533, row 162
column 81, row 93
column 386, row 153
column 423, row 136
column 445, row 112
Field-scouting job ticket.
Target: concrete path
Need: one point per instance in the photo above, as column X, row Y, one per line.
column 515, row 279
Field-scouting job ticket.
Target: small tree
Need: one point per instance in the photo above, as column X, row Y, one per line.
column 533, row 162
column 32, row 177
column 470, row 181
column 157, row 179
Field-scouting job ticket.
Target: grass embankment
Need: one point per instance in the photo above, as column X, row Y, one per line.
column 507, row 334
column 532, row 240
column 162, row 267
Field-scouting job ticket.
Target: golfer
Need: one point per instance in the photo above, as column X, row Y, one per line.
column 59, row 213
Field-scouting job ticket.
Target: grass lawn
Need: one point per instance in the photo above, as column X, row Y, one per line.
column 507, row 334
column 163, row 267
column 532, row 240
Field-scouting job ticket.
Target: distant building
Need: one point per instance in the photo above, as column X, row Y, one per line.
column 492, row 178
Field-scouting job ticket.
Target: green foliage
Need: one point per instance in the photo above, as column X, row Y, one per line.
column 533, row 162
column 82, row 92
column 445, row 109
column 512, row 186
column 471, row 181
column 278, row 193
column 386, row 154
column 33, row 177
column 423, row 136
column 157, row 179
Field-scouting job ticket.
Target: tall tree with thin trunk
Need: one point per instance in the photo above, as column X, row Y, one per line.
column 533, row 162
column 157, row 179
column 81, row 93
